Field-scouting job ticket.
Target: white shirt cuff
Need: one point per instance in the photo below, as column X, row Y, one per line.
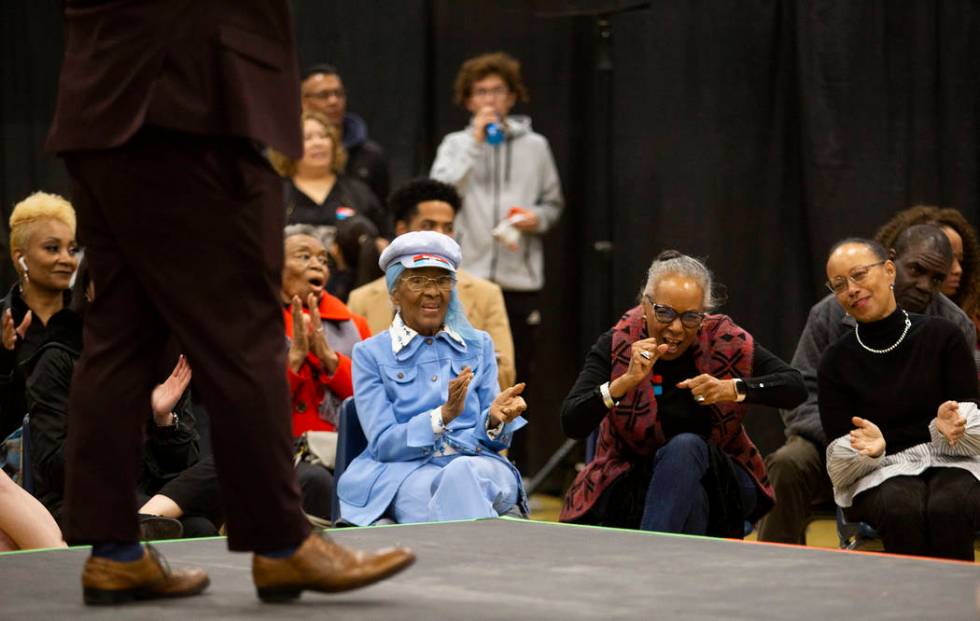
column 436, row 418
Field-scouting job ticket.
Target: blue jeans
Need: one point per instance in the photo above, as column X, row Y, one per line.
column 676, row 501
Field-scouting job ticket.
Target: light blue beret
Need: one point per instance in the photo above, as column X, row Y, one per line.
column 422, row 249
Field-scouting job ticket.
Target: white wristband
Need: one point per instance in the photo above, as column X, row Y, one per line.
column 607, row 396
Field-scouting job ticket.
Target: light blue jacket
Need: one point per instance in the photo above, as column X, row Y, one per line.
column 395, row 395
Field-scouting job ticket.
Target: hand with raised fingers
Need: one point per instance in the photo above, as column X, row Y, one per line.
column 508, row 405
column 458, row 387
column 318, row 340
column 11, row 333
column 299, row 346
column 643, row 356
column 950, row 423
column 866, row 438
column 166, row 395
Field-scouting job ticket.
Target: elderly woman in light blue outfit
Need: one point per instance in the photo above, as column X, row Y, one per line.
column 428, row 400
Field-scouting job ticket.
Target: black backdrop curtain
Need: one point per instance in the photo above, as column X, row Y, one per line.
column 750, row 132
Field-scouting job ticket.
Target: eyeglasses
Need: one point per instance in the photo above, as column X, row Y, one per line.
column 421, row 283
column 857, row 275
column 496, row 91
column 666, row 314
column 326, row 94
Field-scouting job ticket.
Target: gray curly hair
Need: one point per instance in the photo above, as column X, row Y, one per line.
column 673, row 262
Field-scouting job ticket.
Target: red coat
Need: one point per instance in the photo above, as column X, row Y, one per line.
column 308, row 387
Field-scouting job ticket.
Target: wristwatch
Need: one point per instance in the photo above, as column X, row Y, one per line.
column 741, row 390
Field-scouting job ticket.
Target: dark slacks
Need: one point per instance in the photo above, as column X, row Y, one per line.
column 933, row 514
column 798, row 473
column 183, row 235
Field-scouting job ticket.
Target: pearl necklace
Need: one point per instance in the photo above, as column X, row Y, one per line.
column 908, row 324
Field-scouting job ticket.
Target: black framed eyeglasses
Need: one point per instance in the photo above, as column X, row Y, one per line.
column 421, row 283
column 666, row 314
column 857, row 275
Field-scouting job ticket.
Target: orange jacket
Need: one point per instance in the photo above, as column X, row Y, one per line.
column 309, row 386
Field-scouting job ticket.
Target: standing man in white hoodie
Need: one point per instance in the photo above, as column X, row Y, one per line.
column 511, row 194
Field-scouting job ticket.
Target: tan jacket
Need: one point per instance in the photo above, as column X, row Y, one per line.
column 482, row 301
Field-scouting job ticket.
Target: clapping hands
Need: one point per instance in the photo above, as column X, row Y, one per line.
column 950, row 423
column 866, row 438
column 508, row 405
column 308, row 337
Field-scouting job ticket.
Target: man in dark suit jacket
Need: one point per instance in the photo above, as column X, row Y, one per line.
column 163, row 109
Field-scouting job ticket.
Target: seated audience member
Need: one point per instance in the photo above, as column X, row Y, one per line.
column 922, row 257
column 667, row 387
column 353, row 256
column 322, row 334
column 323, row 91
column 428, row 205
column 893, row 399
column 317, row 192
column 961, row 281
column 171, row 443
column 24, row 522
column 43, row 251
column 429, row 404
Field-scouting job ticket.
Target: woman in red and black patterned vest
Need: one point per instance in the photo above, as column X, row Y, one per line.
column 667, row 387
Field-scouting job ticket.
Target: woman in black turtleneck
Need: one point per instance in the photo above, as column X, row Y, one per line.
column 899, row 394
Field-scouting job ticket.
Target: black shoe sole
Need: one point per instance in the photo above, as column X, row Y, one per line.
column 105, row 597
column 278, row 596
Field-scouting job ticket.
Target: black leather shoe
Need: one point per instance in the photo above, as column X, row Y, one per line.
column 156, row 527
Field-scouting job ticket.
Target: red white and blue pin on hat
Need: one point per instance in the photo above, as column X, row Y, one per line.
column 422, row 249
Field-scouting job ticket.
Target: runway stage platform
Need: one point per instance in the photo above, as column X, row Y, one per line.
column 516, row 569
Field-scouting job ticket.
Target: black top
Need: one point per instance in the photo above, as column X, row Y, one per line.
column 346, row 192
column 773, row 383
column 366, row 161
column 12, row 404
column 166, row 452
column 899, row 391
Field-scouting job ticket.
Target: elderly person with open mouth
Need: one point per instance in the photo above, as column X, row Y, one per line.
column 322, row 333
column 667, row 387
column 428, row 400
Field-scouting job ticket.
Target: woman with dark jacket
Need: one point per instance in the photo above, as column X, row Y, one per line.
column 171, row 445
column 43, row 251
column 667, row 387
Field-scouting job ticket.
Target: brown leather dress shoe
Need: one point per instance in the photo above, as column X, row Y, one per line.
column 321, row 564
column 112, row 582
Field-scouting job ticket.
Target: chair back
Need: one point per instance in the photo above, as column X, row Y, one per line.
column 351, row 442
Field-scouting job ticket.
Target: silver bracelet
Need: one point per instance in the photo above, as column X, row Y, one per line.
column 607, row 396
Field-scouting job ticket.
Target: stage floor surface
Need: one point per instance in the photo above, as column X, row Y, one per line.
column 517, row 569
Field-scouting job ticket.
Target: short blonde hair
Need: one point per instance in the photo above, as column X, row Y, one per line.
column 286, row 166
column 38, row 206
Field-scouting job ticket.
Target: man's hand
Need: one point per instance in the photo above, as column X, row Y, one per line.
column 527, row 222
column 483, row 117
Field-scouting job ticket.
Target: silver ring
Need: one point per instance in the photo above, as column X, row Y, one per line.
column 646, row 354
column 699, row 398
